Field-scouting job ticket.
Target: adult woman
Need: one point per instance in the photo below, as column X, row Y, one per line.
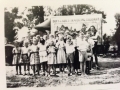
column 94, row 35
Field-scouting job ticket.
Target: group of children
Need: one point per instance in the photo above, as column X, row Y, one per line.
column 46, row 54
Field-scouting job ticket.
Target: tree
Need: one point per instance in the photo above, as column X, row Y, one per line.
column 117, row 33
column 37, row 14
column 79, row 9
column 9, row 24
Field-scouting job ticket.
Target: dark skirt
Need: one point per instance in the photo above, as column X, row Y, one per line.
column 25, row 58
column 16, row 59
column 34, row 58
column 76, row 60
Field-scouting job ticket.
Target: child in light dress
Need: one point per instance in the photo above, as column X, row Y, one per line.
column 43, row 55
column 61, row 54
column 17, row 57
column 24, row 54
column 51, row 57
column 34, row 56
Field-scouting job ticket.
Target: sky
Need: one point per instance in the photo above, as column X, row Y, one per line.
column 110, row 7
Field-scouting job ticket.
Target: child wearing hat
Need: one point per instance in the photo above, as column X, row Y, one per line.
column 17, row 57
column 24, row 54
column 34, row 56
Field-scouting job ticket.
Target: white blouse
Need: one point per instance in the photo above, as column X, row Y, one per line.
column 69, row 48
column 82, row 45
column 60, row 44
column 34, row 48
column 16, row 50
column 24, row 50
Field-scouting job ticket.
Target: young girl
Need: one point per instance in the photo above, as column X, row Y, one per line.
column 17, row 57
column 51, row 58
column 61, row 55
column 34, row 56
column 51, row 51
column 26, row 62
column 43, row 55
column 70, row 55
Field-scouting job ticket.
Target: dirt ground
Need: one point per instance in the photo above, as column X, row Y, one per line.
column 97, row 77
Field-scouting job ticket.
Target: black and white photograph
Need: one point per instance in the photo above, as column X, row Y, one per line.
column 62, row 44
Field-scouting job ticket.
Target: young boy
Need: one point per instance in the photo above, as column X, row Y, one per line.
column 82, row 47
column 70, row 55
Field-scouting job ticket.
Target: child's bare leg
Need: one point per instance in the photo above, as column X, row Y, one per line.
column 16, row 69
column 25, row 68
column 54, row 69
column 20, row 69
column 33, row 66
column 49, row 68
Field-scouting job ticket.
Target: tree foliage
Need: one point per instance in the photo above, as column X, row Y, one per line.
column 116, row 37
column 9, row 24
column 78, row 9
column 37, row 14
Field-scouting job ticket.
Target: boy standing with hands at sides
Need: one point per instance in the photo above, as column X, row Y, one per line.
column 82, row 47
column 70, row 55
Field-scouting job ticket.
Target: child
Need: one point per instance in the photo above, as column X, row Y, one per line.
column 61, row 55
column 82, row 47
column 17, row 57
column 26, row 62
column 43, row 55
column 34, row 56
column 51, row 58
column 70, row 55
column 89, row 54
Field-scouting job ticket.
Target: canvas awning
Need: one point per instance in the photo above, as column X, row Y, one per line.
column 44, row 25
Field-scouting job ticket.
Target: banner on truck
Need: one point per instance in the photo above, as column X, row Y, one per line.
column 78, row 23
